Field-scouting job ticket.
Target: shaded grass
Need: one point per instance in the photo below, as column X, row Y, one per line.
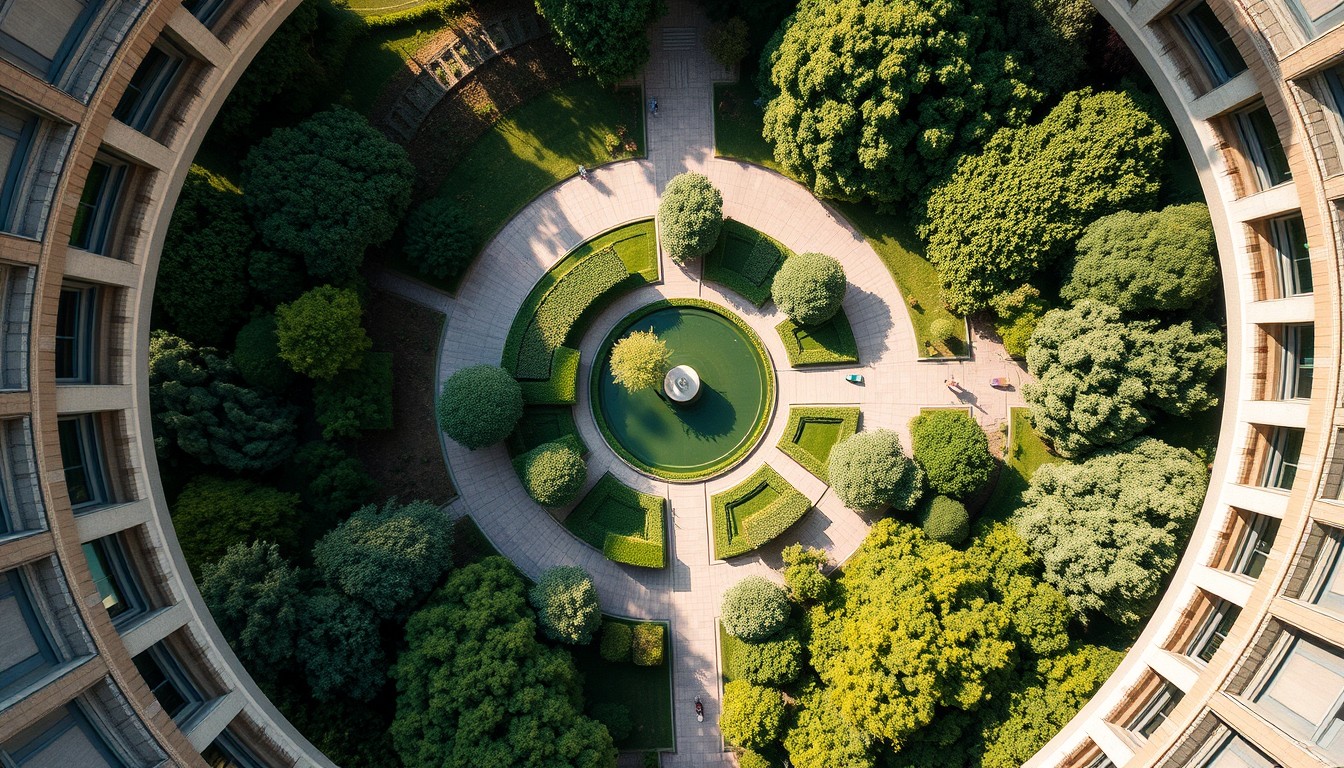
column 1197, row 433
column 542, row 424
column 627, row 525
column 645, row 691
column 828, row 343
column 737, row 126
column 378, row 55
column 1026, row 453
column 745, row 261
column 811, row 433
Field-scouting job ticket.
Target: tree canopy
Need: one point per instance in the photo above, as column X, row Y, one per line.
column 809, row 288
column 212, row 514
column 690, row 216
column 480, row 406
column 254, row 596
column 339, row 648
column 754, row 609
column 605, row 37
column 953, row 450
column 752, row 716
column 320, row 333
column 439, row 242
column 639, row 361
column 869, row 471
column 821, row 738
column 566, row 604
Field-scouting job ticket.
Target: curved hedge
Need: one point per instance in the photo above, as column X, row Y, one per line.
column 605, row 519
column 755, row 511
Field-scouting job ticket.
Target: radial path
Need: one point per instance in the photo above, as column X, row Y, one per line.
column 680, row 75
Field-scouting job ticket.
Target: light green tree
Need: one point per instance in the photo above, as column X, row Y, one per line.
column 690, row 216
column 566, row 604
column 640, row 361
column 752, row 716
column 869, row 471
column 320, row 333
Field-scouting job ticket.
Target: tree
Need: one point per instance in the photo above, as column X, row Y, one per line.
column 334, row 482
column 821, row 738
column 754, row 609
column 256, row 353
column 868, row 471
column 640, row 361
column 605, row 37
column 340, row 649
column 320, row 334
column 276, row 277
column 201, row 284
column 1138, row 262
column 915, row 628
column 616, row 641
column 1041, row 614
column 809, row 288
column 439, row 242
column 690, row 216
column 553, row 473
column 1108, row 530
column 953, row 450
column 253, row 594
column 387, row 558
column 200, row 407
column 480, row 406
column 803, row 572
column 1025, row 198
column 212, row 514
column 475, row 687
column 566, row 604
column 729, row 42
column 356, row 400
column 1181, row 364
column 752, row 716
column 326, row 189
column 775, row 662
column 946, row 520
column 1016, row 314
column 616, row 717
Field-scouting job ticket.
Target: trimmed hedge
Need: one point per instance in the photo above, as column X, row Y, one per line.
column 690, row 216
column 447, row 9
column 755, row 511
column 755, row 609
column 565, row 307
column 617, row 639
column 745, row 261
column 828, row 343
column 627, row 525
column 562, row 388
column 553, row 473
column 814, row 452
column 648, row 644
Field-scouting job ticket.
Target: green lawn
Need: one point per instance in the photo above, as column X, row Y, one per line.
column 737, row 126
column 812, row 432
column 828, row 343
column 379, row 54
column 755, row 511
column 1026, row 453
column 745, row 261
column 645, row 691
column 380, row 7
column 626, row 525
column 542, row 424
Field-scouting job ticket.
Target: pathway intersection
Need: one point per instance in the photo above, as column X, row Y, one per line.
column 680, row 74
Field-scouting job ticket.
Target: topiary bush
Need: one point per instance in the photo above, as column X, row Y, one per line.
column 946, row 520
column 616, row 717
column 754, row 609
column 776, row 662
column 320, row 333
column 752, row 716
column 809, row 288
column 868, row 471
column 616, row 641
column 480, row 406
column 566, row 604
column 953, row 451
column 648, row 644
column 553, row 474
column 690, row 216
column 439, row 243
column 256, row 353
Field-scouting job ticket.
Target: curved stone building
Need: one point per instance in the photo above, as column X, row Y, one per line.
column 108, row 656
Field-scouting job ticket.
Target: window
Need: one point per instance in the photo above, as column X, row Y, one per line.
column 114, row 578
column 93, row 218
column 66, row 737
column 1325, row 584
column 1285, row 454
column 1215, row 47
column 1303, row 691
column 139, row 103
column 169, row 684
column 1151, row 717
column 1288, row 237
column 40, row 37
column 24, row 656
column 206, row 11
column 1231, row 751
column 1317, row 17
column 1214, row 631
column 1263, row 147
column 84, row 479
column 1101, row 761
column 228, row 752
column 16, row 136
column 1299, row 361
column 75, row 315
column 1255, row 545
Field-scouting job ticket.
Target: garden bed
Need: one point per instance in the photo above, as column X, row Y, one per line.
column 646, row 692
column 754, row 512
column 627, row 525
column 1026, row 453
column 543, row 424
column 828, row 343
column 812, row 432
column 745, row 261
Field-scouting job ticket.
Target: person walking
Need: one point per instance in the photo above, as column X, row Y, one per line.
column 653, row 107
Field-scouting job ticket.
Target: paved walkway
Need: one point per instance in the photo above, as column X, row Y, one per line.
column 687, row 593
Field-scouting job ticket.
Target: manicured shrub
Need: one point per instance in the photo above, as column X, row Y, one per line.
column 754, row 609
column 728, row 42
column 616, row 717
column 953, row 450
column 946, row 520
column 562, row 388
column 256, row 353
column 648, row 644
column 212, row 514
column 775, row 662
column 320, row 333
column 690, row 216
column 326, row 189
column 944, row 331
column 388, row 558
column 358, row 400
column 753, row 716
column 640, row 361
column 553, row 474
column 439, row 243
column 633, row 550
column 809, row 288
column 339, row 648
column 869, row 471
column 480, row 406
column 616, row 641
column 734, row 535
column 802, row 572
column 605, row 37
column 565, row 307
column 254, row 595
column 566, row 604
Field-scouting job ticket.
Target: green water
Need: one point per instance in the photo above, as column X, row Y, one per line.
column 670, row 439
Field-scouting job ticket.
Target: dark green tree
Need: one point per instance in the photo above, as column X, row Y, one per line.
column 480, row 406
column 953, row 450
column 605, row 37
column 358, row 400
column 340, row 649
column 566, row 604
column 335, row 483
column 320, row 333
column 439, row 243
column 255, row 597
column 256, row 353
column 212, row 514
column 276, row 277
column 869, row 471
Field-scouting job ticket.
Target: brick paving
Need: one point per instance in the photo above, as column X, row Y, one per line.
column 680, row 75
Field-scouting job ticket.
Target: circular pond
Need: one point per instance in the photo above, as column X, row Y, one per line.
column 687, row 441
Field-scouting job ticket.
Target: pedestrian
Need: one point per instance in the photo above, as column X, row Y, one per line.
column 583, row 173
column 653, row 107
column 952, row 385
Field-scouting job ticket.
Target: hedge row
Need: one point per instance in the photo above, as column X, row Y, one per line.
column 602, row 519
column 828, row 343
column 740, row 525
column 634, row 551
column 562, row 388
column 814, row 456
column 745, row 261
column 564, row 308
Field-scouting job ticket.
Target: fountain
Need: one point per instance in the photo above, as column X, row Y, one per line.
column 682, row 384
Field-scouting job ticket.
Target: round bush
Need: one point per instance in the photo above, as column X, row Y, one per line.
column 690, row 216
column 438, row 240
column 616, row 717
column 616, row 639
column 943, row 330
column 640, row 361
column 953, row 451
column 648, row 644
column 775, row 662
column 256, row 353
column 754, row 609
column 480, row 406
column 869, row 471
column 946, row 520
column 750, row 759
column 809, row 288
column 566, row 603
column 752, row 716
column 553, row 474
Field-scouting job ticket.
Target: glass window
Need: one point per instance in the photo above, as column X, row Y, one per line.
column 16, row 136
column 1325, row 584
column 24, row 655
column 75, row 315
column 169, row 684
column 1299, row 361
column 1151, row 717
column 65, row 738
column 206, row 11
column 114, row 579
column 1214, row 631
column 1289, row 239
column 1232, row 751
column 83, row 470
column 40, row 36
column 1255, row 546
column 93, row 218
column 228, row 752
column 1101, row 761
column 1260, row 139
column 140, row 101
column 1215, row 47
column 1303, row 692
column 1285, row 454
